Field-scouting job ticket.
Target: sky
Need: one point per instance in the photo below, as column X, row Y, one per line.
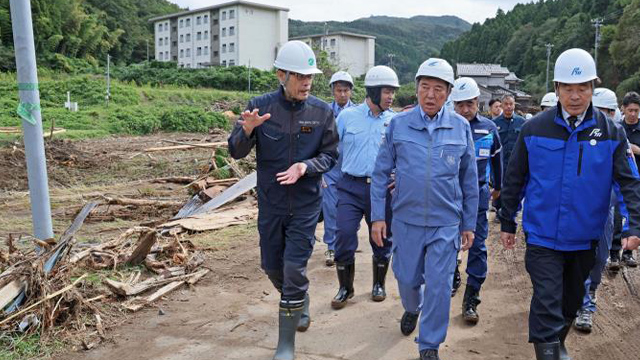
column 323, row 10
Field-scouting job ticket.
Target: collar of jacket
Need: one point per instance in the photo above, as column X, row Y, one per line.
column 416, row 121
column 288, row 104
column 589, row 119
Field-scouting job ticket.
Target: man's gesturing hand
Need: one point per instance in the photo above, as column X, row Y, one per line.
column 508, row 240
column 291, row 176
column 251, row 120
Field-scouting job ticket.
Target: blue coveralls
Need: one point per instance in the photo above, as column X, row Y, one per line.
column 361, row 134
column 330, row 193
column 489, row 160
column 288, row 214
column 435, row 197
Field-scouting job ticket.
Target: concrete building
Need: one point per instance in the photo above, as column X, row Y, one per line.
column 494, row 81
column 228, row 34
column 351, row 52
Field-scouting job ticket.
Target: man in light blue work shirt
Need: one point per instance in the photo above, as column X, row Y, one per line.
column 361, row 130
column 341, row 86
column 435, row 203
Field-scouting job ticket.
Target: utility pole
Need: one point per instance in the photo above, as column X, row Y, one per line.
column 546, row 84
column 108, row 95
column 29, row 111
column 598, row 24
column 391, row 56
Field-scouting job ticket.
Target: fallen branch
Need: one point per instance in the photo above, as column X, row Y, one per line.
column 141, row 202
column 144, row 246
column 186, row 147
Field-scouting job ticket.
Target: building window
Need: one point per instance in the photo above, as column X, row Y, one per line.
column 216, row 54
column 181, row 38
column 198, row 20
column 232, row 63
column 160, row 42
column 215, row 21
column 175, row 43
column 232, row 47
column 232, row 31
column 333, row 55
column 206, row 19
column 188, row 22
column 199, row 35
column 166, row 55
column 324, row 42
column 333, row 42
column 206, row 50
column 166, row 26
column 224, row 15
column 199, row 51
column 188, row 37
column 181, row 23
column 215, row 37
column 159, row 27
column 206, row 34
column 188, row 52
column 232, row 14
column 175, row 58
column 224, row 63
column 174, row 29
column 224, row 32
column 188, row 65
column 166, row 41
column 224, row 48
column 181, row 53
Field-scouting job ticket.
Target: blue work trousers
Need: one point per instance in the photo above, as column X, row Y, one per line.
column 477, row 259
column 354, row 202
column 602, row 254
column 329, row 206
column 424, row 259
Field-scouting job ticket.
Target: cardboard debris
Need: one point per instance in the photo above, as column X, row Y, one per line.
column 237, row 215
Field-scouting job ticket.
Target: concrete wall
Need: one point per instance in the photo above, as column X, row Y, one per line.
column 227, row 41
column 353, row 55
column 162, row 52
column 261, row 33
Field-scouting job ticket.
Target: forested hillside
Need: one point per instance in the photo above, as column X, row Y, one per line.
column 517, row 39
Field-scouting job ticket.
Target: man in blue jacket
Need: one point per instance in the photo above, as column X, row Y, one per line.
column 509, row 125
column 435, row 203
column 341, row 86
column 296, row 142
column 565, row 163
column 361, row 129
column 465, row 96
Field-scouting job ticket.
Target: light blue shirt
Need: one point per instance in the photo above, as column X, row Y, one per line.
column 337, row 109
column 431, row 121
column 361, row 134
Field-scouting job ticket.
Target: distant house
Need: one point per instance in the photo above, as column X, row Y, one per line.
column 227, row 34
column 494, row 81
column 351, row 52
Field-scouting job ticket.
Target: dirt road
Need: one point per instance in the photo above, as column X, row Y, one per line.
column 233, row 315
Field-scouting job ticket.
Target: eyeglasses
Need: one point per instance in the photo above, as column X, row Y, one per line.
column 301, row 77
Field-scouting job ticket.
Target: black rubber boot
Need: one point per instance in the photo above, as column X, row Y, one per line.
column 289, row 319
column 457, row 281
column 305, row 318
column 408, row 323
column 547, row 351
column 380, row 268
column 346, row 273
column 470, row 304
column 564, row 355
column 429, row 355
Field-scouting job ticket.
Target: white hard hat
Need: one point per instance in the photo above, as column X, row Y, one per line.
column 575, row 66
column 465, row 89
column 341, row 76
column 381, row 76
column 436, row 68
column 296, row 56
column 549, row 99
column 605, row 98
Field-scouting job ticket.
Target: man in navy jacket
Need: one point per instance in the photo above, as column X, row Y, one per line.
column 564, row 164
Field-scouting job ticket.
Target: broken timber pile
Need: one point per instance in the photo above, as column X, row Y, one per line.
column 64, row 286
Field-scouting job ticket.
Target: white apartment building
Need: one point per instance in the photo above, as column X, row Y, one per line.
column 227, row 34
column 351, row 52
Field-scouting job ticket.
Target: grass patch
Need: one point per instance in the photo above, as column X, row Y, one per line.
column 223, row 238
column 20, row 347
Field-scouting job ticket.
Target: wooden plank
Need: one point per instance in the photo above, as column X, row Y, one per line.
column 186, row 147
column 10, row 292
column 141, row 202
column 164, row 290
column 216, row 220
column 125, row 289
column 142, row 249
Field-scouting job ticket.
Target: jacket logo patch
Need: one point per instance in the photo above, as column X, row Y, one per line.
column 596, row 133
column 593, row 142
column 306, row 129
column 309, row 123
